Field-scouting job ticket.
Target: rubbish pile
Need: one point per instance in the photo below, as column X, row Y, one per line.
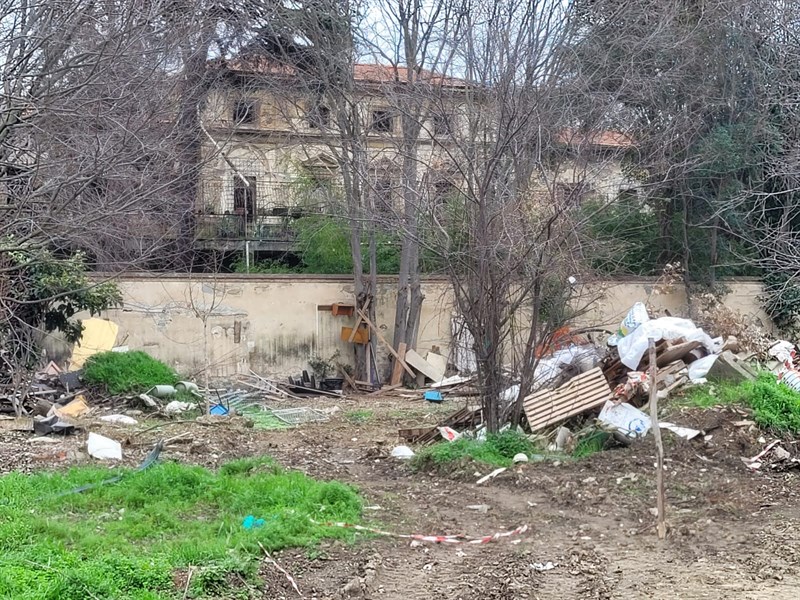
column 593, row 388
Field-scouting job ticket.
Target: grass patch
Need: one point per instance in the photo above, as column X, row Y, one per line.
column 591, row 444
column 776, row 407
column 359, row 416
column 497, row 450
column 127, row 372
column 127, row 540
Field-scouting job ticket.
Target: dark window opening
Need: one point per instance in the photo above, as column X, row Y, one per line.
column 319, row 117
column 245, row 111
column 443, row 190
column 244, row 198
column 384, row 191
column 382, row 121
column 442, row 125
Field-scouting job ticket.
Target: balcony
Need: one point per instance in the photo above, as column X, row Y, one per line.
column 230, row 232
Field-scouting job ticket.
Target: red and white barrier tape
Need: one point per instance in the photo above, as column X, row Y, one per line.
column 275, row 564
column 436, row 539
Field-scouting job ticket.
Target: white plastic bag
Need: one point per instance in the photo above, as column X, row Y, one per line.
column 635, row 317
column 633, row 346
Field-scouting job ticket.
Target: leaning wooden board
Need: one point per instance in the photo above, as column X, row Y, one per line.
column 579, row 394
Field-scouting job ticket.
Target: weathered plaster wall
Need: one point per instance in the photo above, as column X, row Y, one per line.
column 272, row 324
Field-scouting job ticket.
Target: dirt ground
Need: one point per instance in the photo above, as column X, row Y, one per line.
column 733, row 532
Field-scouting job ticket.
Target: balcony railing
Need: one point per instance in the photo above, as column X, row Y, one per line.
column 236, row 227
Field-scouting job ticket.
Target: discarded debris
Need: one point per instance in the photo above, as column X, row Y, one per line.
column 582, row 393
column 548, row 566
column 177, row 407
column 482, row 508
column 634, row 423
column 520, row 458
column 402, row 452
column 75, row 409
column 52, row 424
column 103, row 448
column 119, row 420
column 449, row 434
column 491, row 475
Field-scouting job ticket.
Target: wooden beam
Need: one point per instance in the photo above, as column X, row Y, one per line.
column 661, row 500
column 382, row 339
column 358, row 321
column 397, row 370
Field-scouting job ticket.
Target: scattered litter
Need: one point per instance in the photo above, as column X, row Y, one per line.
column 162, row 391
column 482, row 508
column 187, row 386
column 218, row 410
column 148, row 401
column 75, row 409
column 634, row 423
column 250, row 522
column 520, row 458
column 548, row 566
column 103, row 448
column 451, row 435
column 52, row 424
column 44, row 440
column 297, row 416
column 177, row 407
column 436, row 539
column 491, row 475
column 433, row 396
column 119, row 419
column 402, row 452
column 450, row 381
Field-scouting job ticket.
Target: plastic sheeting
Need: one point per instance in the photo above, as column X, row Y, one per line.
column 633, row 346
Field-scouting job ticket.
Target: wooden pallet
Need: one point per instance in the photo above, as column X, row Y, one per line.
column 579, row 394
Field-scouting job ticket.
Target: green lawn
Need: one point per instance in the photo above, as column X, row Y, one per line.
column 127, row 540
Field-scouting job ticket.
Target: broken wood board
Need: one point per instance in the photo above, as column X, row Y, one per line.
column 676, row 352
column 438, row 362
column 463, row 418
column 423, row 366
column 584, row 392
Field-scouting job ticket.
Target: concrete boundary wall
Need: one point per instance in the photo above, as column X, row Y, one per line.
column 272, row 324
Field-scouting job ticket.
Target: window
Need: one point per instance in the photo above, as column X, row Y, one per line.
column 244, row 197
column 245, row 111
column 384, row 196
column 319, row 117
column 382, row 121
column 442, row 125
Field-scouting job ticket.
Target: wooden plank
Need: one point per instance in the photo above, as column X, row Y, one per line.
column 384, row 342
column 423, row 366
column 358, row 321
column 397, row 370
column 562, row 414
column 582, row 393
column 676, row 352
column 386, row 388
